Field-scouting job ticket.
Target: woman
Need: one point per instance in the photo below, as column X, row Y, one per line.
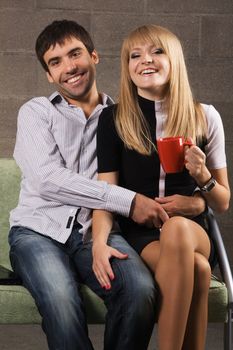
column 155, row 101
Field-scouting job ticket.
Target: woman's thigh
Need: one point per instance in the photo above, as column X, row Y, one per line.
column 177, row 233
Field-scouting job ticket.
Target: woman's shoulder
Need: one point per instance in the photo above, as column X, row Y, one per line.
column 213, row 117
column 106, row 122
column 110, row 110
column 210, row 111
column 108, row 114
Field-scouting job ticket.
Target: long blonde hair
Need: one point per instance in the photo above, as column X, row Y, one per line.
column 185, row 117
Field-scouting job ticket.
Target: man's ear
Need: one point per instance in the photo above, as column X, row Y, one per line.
column 49, row 77
column 95, row 56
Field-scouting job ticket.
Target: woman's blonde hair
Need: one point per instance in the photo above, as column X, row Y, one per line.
column 185, row 117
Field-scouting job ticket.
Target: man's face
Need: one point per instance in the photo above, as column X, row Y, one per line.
column 72, row 69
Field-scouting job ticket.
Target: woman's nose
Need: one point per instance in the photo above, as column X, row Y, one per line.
column 147, row 58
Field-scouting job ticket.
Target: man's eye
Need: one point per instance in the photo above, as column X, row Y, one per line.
column 54, row 63
column 76, row 53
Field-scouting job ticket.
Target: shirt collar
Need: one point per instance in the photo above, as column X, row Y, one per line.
column 145, row 103
column 56, row 97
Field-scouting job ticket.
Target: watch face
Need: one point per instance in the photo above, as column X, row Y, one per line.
column 210, row 184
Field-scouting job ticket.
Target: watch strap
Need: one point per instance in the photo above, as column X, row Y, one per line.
column 209, row 185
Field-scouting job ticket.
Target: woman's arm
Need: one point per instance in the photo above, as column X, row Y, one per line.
column 101, row 227
column 219, row 196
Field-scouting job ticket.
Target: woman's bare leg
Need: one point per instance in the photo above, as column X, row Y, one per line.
column 173, row 264
column 195, row 335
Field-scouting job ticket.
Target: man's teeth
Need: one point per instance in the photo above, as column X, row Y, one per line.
column 148, row 71
column 73, row 80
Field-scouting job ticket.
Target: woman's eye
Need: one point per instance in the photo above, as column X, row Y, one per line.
column 158, row 51
column 134, row 55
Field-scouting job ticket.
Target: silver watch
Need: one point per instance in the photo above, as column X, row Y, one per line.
column 209, row 185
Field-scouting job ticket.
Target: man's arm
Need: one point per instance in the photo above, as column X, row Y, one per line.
column 38, row 156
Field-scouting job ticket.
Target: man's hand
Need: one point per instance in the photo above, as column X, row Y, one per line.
column 188, row 206
column 147, row 211
column 101, row 265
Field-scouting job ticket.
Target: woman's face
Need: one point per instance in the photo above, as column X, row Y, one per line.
column 149, row 69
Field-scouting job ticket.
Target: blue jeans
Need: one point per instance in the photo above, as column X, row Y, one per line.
column 52, row 271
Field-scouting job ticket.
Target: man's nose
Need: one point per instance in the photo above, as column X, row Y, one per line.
column 69, row 65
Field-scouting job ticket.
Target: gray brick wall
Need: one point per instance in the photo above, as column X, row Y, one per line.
column 204, row 26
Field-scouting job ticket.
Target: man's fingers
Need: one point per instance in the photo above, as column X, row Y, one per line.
column 164, row 216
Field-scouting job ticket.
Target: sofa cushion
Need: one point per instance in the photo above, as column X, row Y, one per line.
column 17, row 306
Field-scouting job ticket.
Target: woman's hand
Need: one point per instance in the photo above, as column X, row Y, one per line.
column 195, row 163
column 188, row 206
column 102, row 253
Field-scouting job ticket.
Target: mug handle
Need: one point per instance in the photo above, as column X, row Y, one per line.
column 188, row 143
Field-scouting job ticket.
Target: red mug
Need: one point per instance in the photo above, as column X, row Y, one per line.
column 171, row 153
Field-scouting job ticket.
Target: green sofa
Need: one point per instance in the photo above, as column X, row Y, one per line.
column 17, row 305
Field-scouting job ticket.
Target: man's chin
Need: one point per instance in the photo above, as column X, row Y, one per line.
column 74, row 96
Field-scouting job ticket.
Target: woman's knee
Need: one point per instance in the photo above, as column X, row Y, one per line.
column 175, row 235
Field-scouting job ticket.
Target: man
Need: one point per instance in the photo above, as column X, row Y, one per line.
column 50, row 236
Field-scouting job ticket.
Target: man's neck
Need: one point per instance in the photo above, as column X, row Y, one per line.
column 88, row 103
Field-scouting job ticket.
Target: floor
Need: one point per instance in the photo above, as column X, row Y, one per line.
column 31, row 337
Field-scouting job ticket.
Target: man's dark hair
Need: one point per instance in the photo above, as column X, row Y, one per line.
column 56, row 33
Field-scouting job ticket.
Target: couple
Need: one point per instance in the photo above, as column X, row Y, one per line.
column 146, row 226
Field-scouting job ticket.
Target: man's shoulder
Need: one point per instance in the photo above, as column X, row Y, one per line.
column 37, row 101
column 36, row 105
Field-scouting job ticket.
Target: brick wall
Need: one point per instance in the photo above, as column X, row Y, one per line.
column 204, row 26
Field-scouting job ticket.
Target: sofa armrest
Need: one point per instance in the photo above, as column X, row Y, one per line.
column 222, row 255
column 8, row 277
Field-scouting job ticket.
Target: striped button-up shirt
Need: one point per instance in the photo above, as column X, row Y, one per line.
column 56, row 152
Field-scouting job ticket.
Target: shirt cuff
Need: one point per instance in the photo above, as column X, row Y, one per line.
column 119, row 200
